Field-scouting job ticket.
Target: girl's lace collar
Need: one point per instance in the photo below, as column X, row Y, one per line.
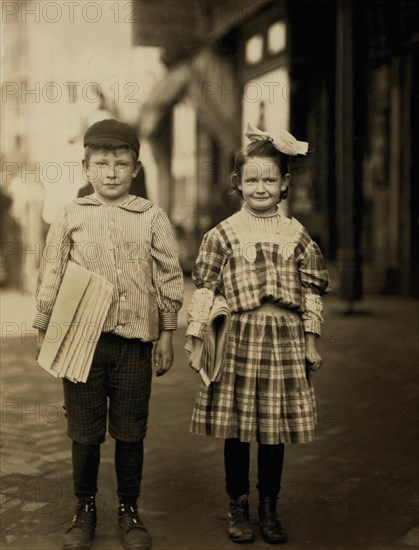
column 246, row 209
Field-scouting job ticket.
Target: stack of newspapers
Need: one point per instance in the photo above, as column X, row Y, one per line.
column 76, row 324
column 207, row 356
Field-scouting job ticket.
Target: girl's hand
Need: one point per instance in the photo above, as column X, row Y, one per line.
column 313, row 358
column 195, row 353
column 163, row 353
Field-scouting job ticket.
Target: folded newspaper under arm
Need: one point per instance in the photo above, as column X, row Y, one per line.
column 76, row 323
column 207, row 356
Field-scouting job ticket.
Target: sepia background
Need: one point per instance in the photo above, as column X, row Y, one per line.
column 189, row 75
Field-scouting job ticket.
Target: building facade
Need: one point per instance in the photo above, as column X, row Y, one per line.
column 338, row 74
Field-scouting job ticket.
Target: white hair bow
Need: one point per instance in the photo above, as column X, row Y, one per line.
column 286, row 143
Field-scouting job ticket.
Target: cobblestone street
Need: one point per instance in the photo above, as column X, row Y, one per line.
column 355, row 487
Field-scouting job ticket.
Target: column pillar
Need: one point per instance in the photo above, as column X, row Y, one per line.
column 348, row 167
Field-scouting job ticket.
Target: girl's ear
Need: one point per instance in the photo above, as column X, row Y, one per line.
column 236, row 181
column 285, row 182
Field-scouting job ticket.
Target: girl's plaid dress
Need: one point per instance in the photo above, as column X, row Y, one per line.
column 265, row 392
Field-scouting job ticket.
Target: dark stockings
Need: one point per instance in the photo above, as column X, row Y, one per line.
column 86, row 458
column 270, row 463
column 128, row 466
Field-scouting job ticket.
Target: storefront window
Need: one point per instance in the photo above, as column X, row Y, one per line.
column 276, row 38
column 254, row 49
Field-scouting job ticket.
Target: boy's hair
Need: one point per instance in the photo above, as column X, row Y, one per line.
column 88, row 150
column 261, row 148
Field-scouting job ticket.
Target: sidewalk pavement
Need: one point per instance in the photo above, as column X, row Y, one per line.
column 355, row 487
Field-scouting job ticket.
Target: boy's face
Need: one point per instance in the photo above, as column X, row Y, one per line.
column 110, row 172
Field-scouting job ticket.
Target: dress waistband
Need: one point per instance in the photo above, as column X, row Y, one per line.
column 274, row 309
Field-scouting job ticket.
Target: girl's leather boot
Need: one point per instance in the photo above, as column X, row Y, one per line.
column 270, row 526
column 239, row 527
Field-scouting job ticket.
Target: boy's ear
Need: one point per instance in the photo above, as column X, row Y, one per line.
column 137, row 168
column 85, row 170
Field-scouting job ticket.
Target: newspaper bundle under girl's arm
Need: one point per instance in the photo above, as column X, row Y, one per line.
column 207, row 334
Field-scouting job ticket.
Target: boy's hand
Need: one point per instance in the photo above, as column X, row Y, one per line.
column 163, row 353
column 39, row 340
column 313, row 358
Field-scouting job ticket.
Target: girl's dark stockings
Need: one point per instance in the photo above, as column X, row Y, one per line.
column 270, row 464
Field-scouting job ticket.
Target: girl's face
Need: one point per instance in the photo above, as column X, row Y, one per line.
column 261, row 185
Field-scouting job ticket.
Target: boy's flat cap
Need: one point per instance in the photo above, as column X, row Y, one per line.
column 113, row 134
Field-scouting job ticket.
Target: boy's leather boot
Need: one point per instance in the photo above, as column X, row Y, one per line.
column 239, row 527
column 80, row 534
column 270, row 526
column 134, row 535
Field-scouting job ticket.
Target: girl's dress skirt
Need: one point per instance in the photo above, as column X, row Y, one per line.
column 265, row 392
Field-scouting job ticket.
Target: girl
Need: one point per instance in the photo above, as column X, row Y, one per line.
column 273, row 276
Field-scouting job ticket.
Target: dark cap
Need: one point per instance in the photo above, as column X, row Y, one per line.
column 113, row 134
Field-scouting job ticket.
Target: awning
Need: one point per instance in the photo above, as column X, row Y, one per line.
column 215, row 94
column 207, row 80
column 165, row 94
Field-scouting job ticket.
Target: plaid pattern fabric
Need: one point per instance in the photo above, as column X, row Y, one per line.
column 121, row 371
column 265, row 393
column 251, row 260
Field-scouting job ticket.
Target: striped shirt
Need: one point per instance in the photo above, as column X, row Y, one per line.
column 252, row 260
column 133, row 246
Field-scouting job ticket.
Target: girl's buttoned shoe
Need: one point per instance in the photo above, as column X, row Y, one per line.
column 270, row 526
column 133, row 533
column 239, row 527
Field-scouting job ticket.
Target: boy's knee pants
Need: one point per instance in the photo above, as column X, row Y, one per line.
column 121, row 371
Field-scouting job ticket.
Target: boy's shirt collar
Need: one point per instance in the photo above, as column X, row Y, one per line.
column 133, row 203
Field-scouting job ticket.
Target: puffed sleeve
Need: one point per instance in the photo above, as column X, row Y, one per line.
column 208, row 278
column 212, row 256
column 315, row 282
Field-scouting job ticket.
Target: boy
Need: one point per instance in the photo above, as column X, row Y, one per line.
column 128, row 240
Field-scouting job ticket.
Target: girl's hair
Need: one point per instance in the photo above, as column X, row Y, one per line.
column 88, row 150
column 262, row 148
